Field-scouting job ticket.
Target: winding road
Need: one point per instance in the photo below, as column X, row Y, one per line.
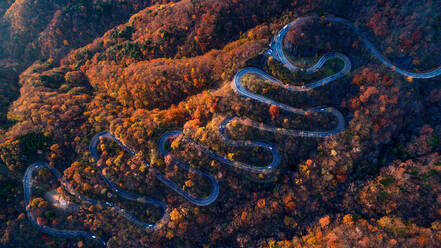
column 279, row 54
column 27, row 185
column 276, row 50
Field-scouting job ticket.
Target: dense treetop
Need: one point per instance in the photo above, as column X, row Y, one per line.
column 69, row 69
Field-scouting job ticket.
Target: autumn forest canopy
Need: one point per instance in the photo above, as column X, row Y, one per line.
column 344, row 155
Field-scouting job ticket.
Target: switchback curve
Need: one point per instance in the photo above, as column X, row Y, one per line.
column 276, row 51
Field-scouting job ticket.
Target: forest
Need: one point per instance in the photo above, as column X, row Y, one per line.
column 139, row 69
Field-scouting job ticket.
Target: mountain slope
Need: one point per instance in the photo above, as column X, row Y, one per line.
column 140, row 70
